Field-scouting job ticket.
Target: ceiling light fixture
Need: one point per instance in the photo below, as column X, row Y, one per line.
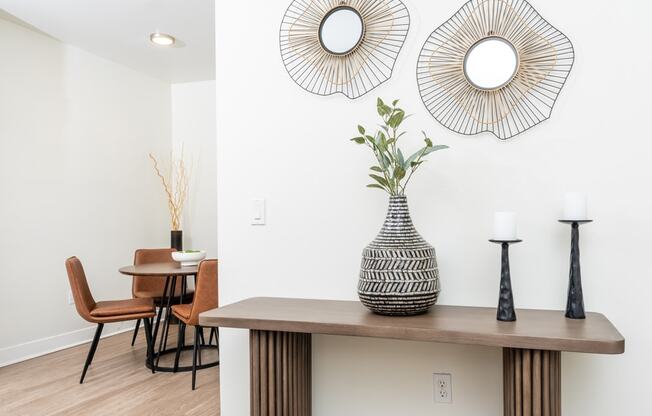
column 162, row 39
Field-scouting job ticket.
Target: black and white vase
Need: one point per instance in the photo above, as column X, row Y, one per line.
column 399, row 274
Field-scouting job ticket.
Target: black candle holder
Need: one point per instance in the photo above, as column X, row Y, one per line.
column 506, row 310
column 575, row 301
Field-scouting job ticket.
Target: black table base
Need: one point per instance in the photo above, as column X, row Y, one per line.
column 165, row 369
column 166, row 303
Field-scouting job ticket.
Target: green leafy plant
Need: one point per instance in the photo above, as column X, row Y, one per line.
column 393, row 171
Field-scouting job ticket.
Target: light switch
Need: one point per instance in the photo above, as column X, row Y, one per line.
column 258, row 212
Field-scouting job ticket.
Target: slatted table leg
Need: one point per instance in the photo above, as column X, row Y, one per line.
column 280, row 369
column 531, row 382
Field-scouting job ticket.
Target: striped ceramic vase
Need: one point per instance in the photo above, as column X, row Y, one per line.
column 399, row 273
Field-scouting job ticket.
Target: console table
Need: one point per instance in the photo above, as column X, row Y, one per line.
column 280, row 346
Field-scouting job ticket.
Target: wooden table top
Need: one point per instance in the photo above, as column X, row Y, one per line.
column 534, row 329
column 159, row 270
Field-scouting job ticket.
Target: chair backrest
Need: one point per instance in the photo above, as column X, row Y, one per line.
column 81, row 293
column 148, row 256
column 205, row 291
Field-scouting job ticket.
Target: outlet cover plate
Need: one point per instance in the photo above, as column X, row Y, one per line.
column 442, row 387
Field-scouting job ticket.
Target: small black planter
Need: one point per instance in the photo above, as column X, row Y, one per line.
column 176, row 239
column 506, row 310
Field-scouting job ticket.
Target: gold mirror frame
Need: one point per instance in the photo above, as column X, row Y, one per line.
column 545, row 59
column 356, row 72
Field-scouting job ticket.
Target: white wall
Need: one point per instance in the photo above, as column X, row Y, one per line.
column 193, row 127
column 279, row 142
column 75, row 179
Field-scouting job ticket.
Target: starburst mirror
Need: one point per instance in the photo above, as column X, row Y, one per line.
column 347, row 47
column 496, row 66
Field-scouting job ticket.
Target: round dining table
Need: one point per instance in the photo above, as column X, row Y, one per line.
column 170, row 272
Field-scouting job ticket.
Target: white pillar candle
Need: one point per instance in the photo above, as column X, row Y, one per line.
column 575, row 206
column 505, row 226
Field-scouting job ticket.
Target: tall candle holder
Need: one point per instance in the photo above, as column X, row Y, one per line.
column 506, row 310
column 575, row 301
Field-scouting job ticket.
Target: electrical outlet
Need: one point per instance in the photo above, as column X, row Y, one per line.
column 442, row 387
column 71, row 300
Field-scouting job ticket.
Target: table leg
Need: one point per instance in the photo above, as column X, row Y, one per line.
column 280, row 370
column 168, row 314
column 531, row 382
column 158, row 318
column 184, row 291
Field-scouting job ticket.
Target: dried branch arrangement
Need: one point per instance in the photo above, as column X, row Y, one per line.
column 175, row 184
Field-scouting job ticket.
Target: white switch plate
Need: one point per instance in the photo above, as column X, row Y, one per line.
column 258, row 211
column 443, row 387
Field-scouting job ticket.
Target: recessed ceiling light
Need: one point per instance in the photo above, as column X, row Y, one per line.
column 162, row 39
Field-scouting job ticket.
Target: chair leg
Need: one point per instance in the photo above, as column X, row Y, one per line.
column 194, row 356
column 201, row 344
column 148, row 338
column 201, row 335
column 91, row 352
column 210, row 336
column 180, row 342
column 214, row 332
column 133, row 340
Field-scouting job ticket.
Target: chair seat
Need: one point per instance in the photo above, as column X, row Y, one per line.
column 158, row 294
column 182, row 311
column 109, row 308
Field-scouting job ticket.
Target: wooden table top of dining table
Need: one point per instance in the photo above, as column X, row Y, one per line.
column 159, row 269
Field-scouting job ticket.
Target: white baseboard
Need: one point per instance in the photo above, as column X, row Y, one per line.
column 32, row 349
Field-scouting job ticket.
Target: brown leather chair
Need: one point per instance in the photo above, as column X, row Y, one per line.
column 105, row 311
column 147, row 287
column 188, row 314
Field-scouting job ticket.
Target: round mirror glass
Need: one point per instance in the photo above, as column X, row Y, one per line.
column 341, row 30
column 491, row 63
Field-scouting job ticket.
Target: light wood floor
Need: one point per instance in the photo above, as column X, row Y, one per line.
column 117, row 383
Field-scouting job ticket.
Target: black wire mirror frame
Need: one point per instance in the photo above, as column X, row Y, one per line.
column 545, row 59
column 354, row 73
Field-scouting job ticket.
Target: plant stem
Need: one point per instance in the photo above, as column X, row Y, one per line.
column 412, row 170
column 379, row 157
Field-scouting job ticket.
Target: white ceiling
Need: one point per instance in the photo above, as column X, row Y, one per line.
column 119, row 30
